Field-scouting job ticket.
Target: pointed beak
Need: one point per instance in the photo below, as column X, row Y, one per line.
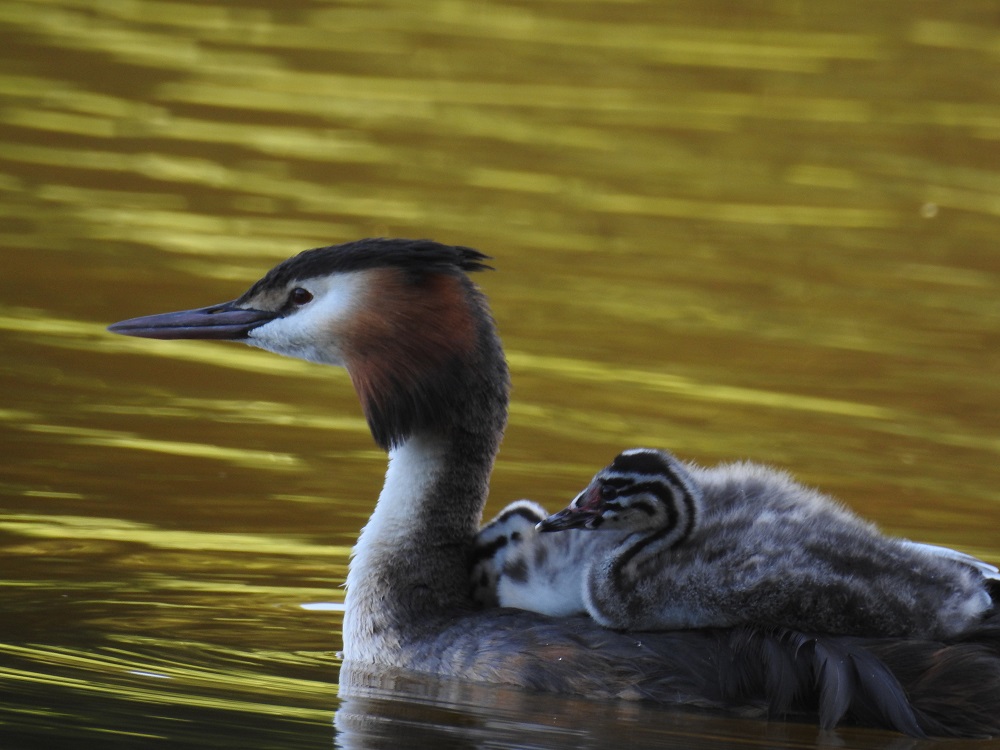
column 583, row 513
column 580, row 514
column 568, row 518
column 225, row 321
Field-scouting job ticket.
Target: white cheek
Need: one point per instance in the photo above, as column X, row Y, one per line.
column 294, row 337
column 310, row 332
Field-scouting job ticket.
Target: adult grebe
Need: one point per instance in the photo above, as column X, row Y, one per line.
column 680, row 546
column 417, row 339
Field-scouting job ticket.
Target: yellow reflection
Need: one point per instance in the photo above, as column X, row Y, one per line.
column 26, row 320
column 114, row 439
column 967, row 200
column 16, row 415
column 518, row 181
column 205, row 173
column 59, row 122
column 928, row 273
column 119, row 530
column 154, row 204
column 944, row 434
column 589, row 371
column 254, row 412
column 815, row 175
column 309, row 499
column 290, row 92
column 231, row 23
column 941, row 33
column 228, row 681
column 315, row 145
column 132, row 43
column 113, row 27
column 51, row 494
column 745, row 213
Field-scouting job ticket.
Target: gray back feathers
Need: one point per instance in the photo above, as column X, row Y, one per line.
column 660, row 545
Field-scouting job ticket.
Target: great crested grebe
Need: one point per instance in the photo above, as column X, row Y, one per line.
column 692, row 547
column 421, row 348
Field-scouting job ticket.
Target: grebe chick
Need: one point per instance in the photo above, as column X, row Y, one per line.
column 499, row 541
column 744, row 543
column 418, row 341
column 516, row 566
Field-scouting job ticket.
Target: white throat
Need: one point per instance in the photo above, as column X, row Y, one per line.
column 414, row 468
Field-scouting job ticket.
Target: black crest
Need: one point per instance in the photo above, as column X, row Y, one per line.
column 414, row 256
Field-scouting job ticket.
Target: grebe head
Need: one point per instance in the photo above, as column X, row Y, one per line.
column 641, row 489
column 400, row 315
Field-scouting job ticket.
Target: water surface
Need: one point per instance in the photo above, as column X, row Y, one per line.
column 758, row 231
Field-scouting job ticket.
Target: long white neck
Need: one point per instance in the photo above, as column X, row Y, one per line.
column 413, row 471
column 410, row 564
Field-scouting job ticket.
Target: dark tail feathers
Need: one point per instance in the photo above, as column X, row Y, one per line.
column 832, row 677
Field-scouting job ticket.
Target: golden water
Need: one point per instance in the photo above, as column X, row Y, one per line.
column 734, row 230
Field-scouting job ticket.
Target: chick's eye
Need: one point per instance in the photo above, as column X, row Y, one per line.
column 300, row 296
column 608, row 492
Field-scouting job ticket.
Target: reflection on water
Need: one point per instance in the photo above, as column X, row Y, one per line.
column 399, row 711
column 127, row 694
column 733, row 232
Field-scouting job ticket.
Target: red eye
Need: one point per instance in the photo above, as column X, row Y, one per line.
column 300, row 296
